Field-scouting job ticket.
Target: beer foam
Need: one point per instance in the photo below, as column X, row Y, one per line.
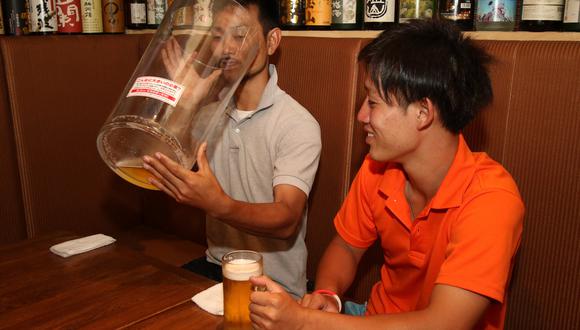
column 241, row 269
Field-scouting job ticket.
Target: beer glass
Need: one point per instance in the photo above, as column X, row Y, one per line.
column 179, row 91
column 237, row 268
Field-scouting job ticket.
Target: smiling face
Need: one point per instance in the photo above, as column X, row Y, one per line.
column 235, row 35
column 391, row 129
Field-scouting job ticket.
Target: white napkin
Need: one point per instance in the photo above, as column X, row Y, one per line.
column 80, row 245
column 211, row 300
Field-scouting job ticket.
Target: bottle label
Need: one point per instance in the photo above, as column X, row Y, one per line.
column 92, row 16
column 572, row 12
column 68, row 14
column 202, row 13
column 537, row 12
column 292, row 12
column 42, row 16
column 318, row 12
column 183, row 18
column 114, row 16
column 138, row 13
column 415, row 9
column 150, row 7
column 1, row 21
column 457, row 10
column 543, row 2
column 344, row 11
column 495, row 11
column 380, row 11
column 161, row 89
column 16, row 15
column 160, row 8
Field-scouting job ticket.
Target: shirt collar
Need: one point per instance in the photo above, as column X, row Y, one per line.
column 453, row 186
column 268, row 95
column 458, row 178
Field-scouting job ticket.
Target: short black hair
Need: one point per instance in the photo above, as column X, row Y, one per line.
column 431, row 59
column 268, row 11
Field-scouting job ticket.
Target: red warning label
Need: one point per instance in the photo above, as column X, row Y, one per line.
column 158, row 88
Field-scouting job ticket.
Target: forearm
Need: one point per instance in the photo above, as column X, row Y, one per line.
column 338, row 266
column 450, row 308
column 274, row 219
column 316, row 319
column 418, row 320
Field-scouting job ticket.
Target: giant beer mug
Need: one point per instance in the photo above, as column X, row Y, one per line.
column 179, row 92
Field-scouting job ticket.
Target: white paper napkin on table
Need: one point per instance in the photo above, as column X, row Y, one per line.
column 211, row 300
column 80, row 245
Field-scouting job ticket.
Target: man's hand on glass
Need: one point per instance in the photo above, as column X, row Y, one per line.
column 274, row 308
column 181, row 69
column 199, row 189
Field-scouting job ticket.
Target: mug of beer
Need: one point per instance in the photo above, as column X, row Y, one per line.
column 237, row 268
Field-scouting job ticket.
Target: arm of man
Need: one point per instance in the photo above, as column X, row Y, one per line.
column 336, row 272
column 279, row 219
column 450, row 308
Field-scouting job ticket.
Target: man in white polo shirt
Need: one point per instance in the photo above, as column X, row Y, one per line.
column 255, row 187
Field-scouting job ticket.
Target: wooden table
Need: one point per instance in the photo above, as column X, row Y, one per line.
column 110, row 287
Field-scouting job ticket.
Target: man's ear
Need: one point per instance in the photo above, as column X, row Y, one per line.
column 273, row 40
column 425, row 113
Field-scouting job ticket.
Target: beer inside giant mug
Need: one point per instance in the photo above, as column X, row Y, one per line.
column 237, row 268
column 179, row 92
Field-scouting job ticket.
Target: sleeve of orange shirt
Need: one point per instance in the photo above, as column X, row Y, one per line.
column 354, row 221
column 482, row 243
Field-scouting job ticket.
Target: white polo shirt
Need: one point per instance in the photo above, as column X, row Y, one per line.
column 278, row 144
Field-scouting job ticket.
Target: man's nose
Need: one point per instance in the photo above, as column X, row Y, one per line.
column 363, row 113
column 229, row 46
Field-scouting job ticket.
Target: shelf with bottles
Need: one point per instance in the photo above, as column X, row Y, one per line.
column 485, row 17
column 479, row 35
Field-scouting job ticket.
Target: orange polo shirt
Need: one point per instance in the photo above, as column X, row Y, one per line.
column 466, row 236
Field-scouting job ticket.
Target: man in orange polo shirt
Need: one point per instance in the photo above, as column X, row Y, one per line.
column 449, row 220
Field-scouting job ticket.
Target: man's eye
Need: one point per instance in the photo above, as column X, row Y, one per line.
column 240, row 31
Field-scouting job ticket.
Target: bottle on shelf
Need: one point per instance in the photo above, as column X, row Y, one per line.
column 160, row 9
column 416, row 9
column 542, row 15
column 292, row 14
column 1, row 20
column 202, row 14
column 92, row 16
column 460, row 12
column 347, row 14
column 318, row 14
column 113, row 16
column 380, row 14
column 155, row 12
column 68, row 14
column 150, row 13
column 15, row 16
column 571, row 21
column 42, row 16
column 183, row 16
column 495, row 15
column 136, row 14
